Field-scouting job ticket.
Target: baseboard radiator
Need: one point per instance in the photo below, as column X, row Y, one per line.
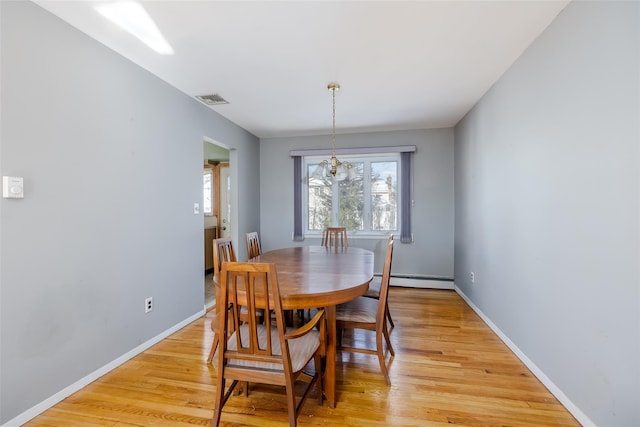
column 423, row 282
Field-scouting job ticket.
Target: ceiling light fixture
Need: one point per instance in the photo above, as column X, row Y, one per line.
column 131, row 17
column 333, row 166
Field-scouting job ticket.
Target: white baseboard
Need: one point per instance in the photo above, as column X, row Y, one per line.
column 423, row 283
column 566, row 402
column 62, row 394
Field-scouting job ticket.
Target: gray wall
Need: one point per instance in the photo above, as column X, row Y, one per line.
column 547, row 207
column 431, row 254
column 112, row 163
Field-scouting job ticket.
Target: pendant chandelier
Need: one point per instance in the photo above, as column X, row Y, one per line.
column 334, row 167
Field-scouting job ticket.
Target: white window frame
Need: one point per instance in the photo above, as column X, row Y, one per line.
column 367, row 159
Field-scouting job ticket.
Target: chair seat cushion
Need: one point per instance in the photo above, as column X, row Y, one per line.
column 374, row 288
column 362, row 310
column 301, row 349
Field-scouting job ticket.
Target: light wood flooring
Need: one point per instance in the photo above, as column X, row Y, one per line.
column 449, row 368
column 209, row 291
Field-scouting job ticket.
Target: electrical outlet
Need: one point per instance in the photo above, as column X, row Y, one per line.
column 472, row 277
column 148, row 305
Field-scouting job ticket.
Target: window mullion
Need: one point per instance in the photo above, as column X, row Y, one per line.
column 367, row 196
column 335, row 202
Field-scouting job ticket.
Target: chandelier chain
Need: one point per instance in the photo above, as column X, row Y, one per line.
column 333, row 134
column 333, row 165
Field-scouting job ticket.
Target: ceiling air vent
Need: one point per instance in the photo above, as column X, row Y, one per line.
column 214, row 99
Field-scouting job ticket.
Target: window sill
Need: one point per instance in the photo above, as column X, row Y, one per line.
column 354, row 236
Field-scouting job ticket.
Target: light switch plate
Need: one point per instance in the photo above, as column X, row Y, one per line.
column 12, row 187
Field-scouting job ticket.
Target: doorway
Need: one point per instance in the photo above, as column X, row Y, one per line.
column 218, row 222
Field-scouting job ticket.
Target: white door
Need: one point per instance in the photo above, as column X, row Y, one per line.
column 225, row 202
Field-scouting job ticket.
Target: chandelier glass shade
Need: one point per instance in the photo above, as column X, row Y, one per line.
column 334, row 167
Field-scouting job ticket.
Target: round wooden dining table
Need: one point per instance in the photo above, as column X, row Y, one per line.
column 317, row 276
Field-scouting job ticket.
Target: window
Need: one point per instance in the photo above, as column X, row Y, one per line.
column 365, row 205
column 363, row 198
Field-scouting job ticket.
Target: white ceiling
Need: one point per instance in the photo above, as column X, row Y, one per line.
column 401, row 65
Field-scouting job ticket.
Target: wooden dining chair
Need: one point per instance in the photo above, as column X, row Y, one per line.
column 266, row 352
column 253, row 245
column 223, row 252
column 369, row 314
column 336, row 237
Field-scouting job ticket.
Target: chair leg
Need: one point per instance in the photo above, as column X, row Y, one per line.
column 214, row 346
column 288, row 317
column 291, row 403
column 386, row 337
column 219, row 399
column 318, row 365
column 388, row 316
column 383, row 365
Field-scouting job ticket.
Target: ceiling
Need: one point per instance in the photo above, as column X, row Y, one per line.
column 401, row 65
